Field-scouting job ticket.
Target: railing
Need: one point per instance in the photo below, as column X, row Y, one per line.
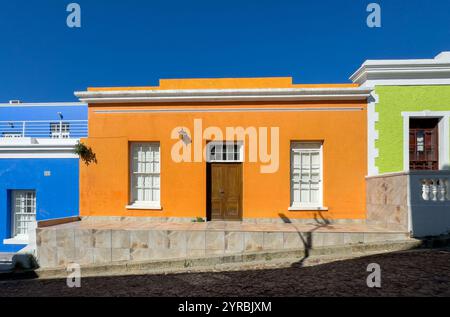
column 435, row 189
column 54, row 129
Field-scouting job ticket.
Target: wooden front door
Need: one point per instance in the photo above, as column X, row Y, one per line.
column 423, row 144
column 225, row 191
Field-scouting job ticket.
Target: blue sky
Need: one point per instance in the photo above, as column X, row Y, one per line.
column 137, row 42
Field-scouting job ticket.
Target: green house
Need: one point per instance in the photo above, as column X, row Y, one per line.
column 408, row 143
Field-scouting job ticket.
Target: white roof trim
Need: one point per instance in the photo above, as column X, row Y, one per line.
column 205, row 95
column 37, row 148
column 404, row 72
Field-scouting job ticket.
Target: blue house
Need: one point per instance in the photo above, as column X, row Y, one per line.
column 38, row 169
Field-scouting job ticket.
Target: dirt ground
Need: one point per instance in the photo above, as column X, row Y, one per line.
column 411, row 273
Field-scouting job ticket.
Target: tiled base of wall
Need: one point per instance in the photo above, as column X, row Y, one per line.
column 58, row 246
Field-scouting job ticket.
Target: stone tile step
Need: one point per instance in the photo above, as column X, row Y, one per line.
column 248, row 260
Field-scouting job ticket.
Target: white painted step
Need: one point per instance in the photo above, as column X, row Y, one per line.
column 6, row 262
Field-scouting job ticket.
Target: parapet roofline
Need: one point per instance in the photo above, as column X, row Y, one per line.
column 225, row 83
column 224, row 95
column 404, row 71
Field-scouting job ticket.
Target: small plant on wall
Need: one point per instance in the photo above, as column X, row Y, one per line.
column 85, row 153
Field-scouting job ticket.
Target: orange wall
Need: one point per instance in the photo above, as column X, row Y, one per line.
column 104, row 187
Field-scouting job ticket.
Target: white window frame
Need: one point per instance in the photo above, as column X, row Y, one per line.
column 136, row 204
column 14, row 222
column 314, row 147
column 209, row 158
column 60, row 130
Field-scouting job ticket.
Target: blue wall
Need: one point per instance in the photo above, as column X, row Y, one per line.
column 56, row 195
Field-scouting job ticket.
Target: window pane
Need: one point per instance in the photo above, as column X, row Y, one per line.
column 156, row 168
column 296, row 195
column 147, row 195
column 305, row 160
column 296, row 160
column 315, row 196
column 315, row 177
column 226, row 152
column 148, row 155
column 140, row 192
column 155, row 194
column 140, row 181
column 315, row 158
column 304, row 196
column 156, row 182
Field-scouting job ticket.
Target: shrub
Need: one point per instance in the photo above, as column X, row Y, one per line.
column 85, row 153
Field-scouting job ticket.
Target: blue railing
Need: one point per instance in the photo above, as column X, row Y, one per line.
column 53, row 129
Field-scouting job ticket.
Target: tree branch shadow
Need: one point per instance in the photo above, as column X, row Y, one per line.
column 307, row 237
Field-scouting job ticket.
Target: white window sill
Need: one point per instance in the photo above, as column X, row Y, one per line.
column 142, row 206
column 307, row 208
column 16, row 240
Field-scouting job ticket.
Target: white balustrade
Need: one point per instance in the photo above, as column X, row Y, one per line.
column 435, row 189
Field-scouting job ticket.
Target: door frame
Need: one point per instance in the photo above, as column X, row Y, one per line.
column 444, row 140
column 209, row 188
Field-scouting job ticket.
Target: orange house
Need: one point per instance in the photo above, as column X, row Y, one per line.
column 226, row 149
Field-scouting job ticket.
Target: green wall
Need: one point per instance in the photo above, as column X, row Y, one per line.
column 393, row 100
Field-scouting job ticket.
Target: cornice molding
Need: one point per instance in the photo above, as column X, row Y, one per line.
column 404, row 72
column 223, row 95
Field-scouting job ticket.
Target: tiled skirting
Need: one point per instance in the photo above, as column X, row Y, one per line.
column 84, row 244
